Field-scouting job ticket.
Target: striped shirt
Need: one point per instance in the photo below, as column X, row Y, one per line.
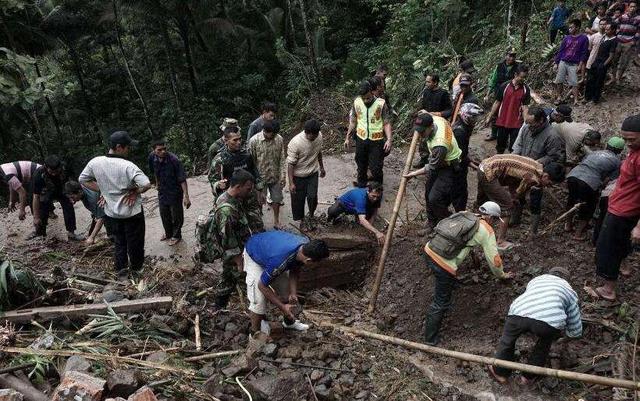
column 18, row 178
column 115, row 176
column 550, row 299
column 514, row 166
column 628, row 28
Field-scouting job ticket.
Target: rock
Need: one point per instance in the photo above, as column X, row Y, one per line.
column 292, row 351
column 362, row 394
column 10, row 395
column 158, row 357
column 78, row 364
column 144, row 394
column 213, row 384
column 112, row 295
column 607, row 337
column 116, row 399
column 347, row 379
column 316, row 375
column 78, row 386
column 270, row 350
column 241, row 364
column 231, row 327
column 328, row 351
column 486, row 396
column 122, row 383
column 287, row 385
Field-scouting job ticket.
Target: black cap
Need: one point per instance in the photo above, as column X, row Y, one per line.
column 565, row 111
column 422, row 121
column 511, row 50
column 467, row 66
column 121, row 138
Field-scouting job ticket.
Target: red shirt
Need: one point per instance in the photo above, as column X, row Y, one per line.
column 511, row 99
column 625, row 199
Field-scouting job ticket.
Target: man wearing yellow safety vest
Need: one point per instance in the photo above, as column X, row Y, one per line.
column 443, row 168
column 370, row 117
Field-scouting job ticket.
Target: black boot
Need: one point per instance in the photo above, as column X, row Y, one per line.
column 516, row 216
column 535, row 223
column 432, row 327
column 222, row 301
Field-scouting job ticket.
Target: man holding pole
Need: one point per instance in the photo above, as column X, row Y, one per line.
column 548, row 305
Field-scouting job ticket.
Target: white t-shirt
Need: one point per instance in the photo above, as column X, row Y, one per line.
column 594, row 46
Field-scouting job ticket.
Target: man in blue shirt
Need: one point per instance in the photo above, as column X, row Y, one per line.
column 92, row 202
column 362, row 202
column 272, row 261
column 173, row 192
column 558, row 20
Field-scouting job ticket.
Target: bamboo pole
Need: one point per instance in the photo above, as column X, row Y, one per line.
column 214, row 355
column 392, row 223
column 197, row 330
column 561, row 218
column 522, row 367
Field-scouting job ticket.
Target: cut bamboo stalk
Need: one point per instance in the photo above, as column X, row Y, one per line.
column 562, row 217
column 214, row 355
column 522, row 367
column 197, row 329
column 392, row 223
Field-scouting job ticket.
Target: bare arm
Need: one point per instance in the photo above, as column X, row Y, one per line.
column 185, row 190
column 92, row 185
column 96, row 229
column 294, row 277
column 292, row 185
column 22, row 195
column 366, row 224
column 494, row 109
column 322, row 170
column 275, row 299
column 36, row 209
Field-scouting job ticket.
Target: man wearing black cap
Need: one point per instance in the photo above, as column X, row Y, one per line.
column 579, row 139
column 465, row 95
column 465, row 67
column 504, row 72
column 443, row 168
column 121, row 184
column 48, row 186
column 621, row 225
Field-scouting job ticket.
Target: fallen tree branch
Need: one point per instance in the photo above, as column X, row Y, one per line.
column 98, row 357
column 561, row 218
column 197, row 330
column 214, row 355
column 537, row 370
column 304, row 365
column 139, row 354
column 11, row 369
column 606, row 324
column 29, row 392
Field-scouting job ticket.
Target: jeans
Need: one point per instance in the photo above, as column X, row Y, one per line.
column 369, row 156
column 505, row 138
column 129, row 241
column 445, row 283
column 46, row 206
column 172, row 217
column 440, row 193
column 514, row 327
column 306, row 190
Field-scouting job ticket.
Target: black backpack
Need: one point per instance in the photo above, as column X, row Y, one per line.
column 453, row 233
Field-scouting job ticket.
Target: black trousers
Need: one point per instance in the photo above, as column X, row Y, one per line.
column 553, row 33
column 506, row 137
column 603, row 205
column 445, row 283
column 614, row 244
column 579, row 192
column 596, row 77
column 46, row 206
column 440, row 192
column 306, row 190
column 461, row 190
column 369, row 156
column 172, row 217
column 514, row 327
column 129, row 241
column 338, row 208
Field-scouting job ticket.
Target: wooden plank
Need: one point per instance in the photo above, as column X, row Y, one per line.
column 52, row 312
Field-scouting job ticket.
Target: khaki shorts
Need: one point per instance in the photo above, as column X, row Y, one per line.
column 567, row 73
column 274, row 193
column 257, row 300
column 494, row 191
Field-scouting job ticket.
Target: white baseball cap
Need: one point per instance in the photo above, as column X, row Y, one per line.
column 491, row 209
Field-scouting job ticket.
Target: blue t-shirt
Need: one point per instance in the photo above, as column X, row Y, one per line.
column 355, row 201
column 90, row 202
column 275, row 251
column 559, row 17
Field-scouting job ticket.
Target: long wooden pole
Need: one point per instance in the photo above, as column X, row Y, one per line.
column 392, row 223
column 522, row 367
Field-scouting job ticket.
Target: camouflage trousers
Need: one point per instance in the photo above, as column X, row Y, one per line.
column 252, row 209
column 229, row 280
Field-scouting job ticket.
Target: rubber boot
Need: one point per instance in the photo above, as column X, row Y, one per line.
column 516, row 216
column 432, row 327
column 221, row 301
column 535, row 223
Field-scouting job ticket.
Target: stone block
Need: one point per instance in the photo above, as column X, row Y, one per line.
column 78, row 386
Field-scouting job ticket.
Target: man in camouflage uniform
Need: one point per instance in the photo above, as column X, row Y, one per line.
column 231, row 158
column 234, row 230
column 217, row 146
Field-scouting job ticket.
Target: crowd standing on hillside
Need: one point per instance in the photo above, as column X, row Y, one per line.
column 535, row 148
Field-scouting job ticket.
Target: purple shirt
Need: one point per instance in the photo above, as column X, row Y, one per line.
column 574, row 49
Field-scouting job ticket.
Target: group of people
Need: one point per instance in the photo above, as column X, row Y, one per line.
column 608, row 45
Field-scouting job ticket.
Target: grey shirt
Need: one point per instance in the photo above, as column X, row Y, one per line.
column 255, row 127
column 597, row 167
column 544, row 146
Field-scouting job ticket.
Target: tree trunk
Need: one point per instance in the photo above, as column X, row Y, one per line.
column 509, row 16
column 85, row 97
column 126, row 65
column 168, row 50
column 199, row 38
column 292, row 31
column 51, row 109
column 310, row 47
column 183, row 30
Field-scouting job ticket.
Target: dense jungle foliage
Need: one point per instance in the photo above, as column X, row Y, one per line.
column 71, row 71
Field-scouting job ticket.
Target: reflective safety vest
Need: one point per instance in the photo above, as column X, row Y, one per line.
column 370, row 124
column 444, row 137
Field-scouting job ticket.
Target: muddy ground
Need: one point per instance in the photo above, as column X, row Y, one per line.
column 342, row 367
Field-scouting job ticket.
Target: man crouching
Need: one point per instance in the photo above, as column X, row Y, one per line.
column 272, row 261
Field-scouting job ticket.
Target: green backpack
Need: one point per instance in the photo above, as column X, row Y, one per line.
column 453, row 233
column 208, row 246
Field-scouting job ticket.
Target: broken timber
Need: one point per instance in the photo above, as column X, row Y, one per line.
column 537, row 370
column 52, row 312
